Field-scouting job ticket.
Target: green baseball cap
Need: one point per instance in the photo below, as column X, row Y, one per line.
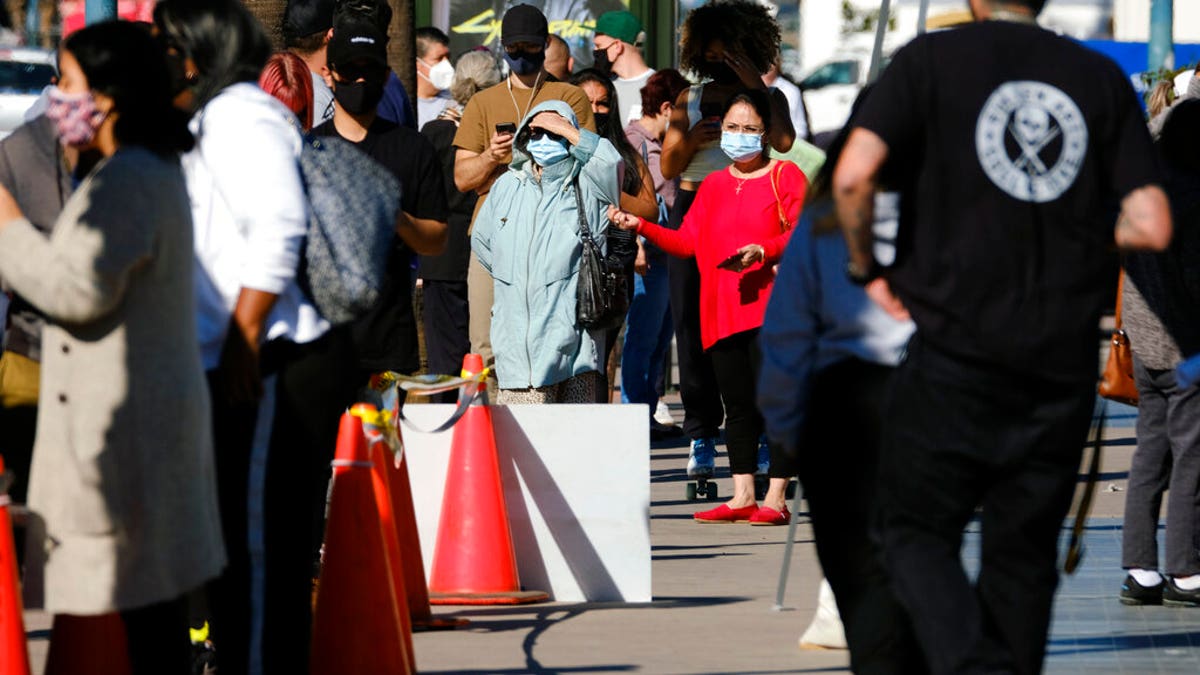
column 619, row 24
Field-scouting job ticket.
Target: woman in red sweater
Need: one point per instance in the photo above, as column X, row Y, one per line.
column 737, row 229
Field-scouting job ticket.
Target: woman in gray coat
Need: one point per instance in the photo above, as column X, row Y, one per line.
column 123, row 463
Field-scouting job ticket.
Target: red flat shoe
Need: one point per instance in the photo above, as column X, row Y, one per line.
column 724, row 514
column 769, row 516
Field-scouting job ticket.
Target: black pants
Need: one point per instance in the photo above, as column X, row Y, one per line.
column 447, row 335
column 314, row 384
column 961, row 435
column 736, row 362
column 838, row 466
column 18, row 426
column 702, row 412
column 158, row 638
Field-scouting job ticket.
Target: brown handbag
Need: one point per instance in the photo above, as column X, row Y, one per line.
column 1116, row 383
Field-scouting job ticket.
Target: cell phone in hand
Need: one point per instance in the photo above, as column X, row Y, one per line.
column 710, row 109
column 733, row 263
column 506, row 128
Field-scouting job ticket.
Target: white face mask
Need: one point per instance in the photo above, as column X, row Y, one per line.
column 441, row 74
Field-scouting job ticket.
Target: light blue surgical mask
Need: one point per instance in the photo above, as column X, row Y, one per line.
column 546, row 151
column 741, row 147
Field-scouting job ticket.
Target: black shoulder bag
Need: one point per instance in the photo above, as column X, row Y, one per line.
column 602, row 298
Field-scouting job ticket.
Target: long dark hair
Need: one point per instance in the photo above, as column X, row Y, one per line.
column 123, row 61
column 631, row 182
column 221, row 37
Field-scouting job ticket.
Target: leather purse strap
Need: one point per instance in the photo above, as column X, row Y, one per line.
column 1120, row 292
column 783, row 221
column 585, row 231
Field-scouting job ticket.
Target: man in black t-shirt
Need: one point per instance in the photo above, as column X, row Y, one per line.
column 386, row 337
column 1021, row 148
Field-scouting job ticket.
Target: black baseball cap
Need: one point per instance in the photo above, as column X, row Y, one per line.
column 355, row 41
column 305, row 17
column 524, row 23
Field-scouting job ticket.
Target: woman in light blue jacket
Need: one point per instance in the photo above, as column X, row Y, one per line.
column 527, row 236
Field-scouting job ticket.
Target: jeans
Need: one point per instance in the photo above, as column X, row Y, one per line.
column 1167, row 458
column 647, row 333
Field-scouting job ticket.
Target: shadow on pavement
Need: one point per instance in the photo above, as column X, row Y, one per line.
column 1117, row 643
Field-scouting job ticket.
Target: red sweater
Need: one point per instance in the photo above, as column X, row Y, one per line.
column 721, row 220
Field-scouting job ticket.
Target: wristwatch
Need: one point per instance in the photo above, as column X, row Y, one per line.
column 861, row 277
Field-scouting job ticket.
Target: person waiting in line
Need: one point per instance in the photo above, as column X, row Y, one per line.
column 828, row 352
column 435, row 73
column 736, row 230
column 637, row 192
column 617, row 54
column 648, row 324
column 286, row 78
column 124, row 451
column 730, row 44
column 395, row 104
column 307, row 27
column 385, row 339
column 527, row 236
column 559, row 62
column 1160, row 306
column 446, row 312
column 279, row 377
column 485, row 137
column 40, row 173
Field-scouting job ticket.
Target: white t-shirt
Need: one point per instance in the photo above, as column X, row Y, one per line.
column 629, row 95
column 792, row 93
column 322, row 101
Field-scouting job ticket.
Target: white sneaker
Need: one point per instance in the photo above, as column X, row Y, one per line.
column 662, row 413
column 702, row 458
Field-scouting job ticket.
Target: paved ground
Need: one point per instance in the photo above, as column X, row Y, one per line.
column 714, row 587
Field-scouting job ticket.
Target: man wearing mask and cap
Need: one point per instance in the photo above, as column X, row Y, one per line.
column 617, row 54
column 386, row 337
column 485, row 136
column 307, row 26
column 434, row 74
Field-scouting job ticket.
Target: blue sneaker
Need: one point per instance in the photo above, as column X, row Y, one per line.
column 764, row 456
column 702, row 459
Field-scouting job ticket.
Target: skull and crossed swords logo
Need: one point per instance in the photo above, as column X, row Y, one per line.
column 1033, row 115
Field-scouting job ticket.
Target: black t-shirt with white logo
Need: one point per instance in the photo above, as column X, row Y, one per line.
column 1017, row 147
column 386, row 337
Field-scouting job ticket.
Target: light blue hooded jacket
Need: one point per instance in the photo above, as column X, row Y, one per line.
column 527, row 237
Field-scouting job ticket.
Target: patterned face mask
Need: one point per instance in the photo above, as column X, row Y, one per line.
column 74, row 116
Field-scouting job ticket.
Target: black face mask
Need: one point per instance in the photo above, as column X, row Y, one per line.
column 602, row 120
column 721, row 72
column 358, row 98
column 601, row 62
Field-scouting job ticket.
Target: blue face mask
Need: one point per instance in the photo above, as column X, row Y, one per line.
column 525, row 63
column 546, row 151
column 741, row 147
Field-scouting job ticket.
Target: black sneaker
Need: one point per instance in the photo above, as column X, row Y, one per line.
column 1133, row 593
column 1174, row 596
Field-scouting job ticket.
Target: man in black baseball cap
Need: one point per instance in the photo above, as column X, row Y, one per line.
column 524, row 23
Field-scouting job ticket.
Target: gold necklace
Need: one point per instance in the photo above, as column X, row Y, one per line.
column 741, row 182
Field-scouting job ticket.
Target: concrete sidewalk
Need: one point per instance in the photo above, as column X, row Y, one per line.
column 714, row 587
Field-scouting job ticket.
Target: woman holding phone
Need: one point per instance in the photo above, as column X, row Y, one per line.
column 736, row 229
column 730, row 44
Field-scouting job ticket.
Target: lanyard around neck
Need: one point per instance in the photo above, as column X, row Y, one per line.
column 532, row 94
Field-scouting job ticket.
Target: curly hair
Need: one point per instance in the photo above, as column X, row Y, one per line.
column 742, row 24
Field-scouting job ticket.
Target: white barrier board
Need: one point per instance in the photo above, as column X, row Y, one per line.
column 577, row 487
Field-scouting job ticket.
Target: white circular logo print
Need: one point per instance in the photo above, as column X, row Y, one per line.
column 1031, row 140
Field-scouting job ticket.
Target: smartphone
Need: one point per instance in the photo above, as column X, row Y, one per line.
column 710, row 109
column 733, row 263
column 506, row 128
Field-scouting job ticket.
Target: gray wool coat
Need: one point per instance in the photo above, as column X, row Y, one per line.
column 123, row 477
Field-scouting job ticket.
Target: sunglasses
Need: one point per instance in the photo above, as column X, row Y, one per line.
column 536, row 134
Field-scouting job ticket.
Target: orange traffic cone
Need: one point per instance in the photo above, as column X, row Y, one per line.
column 357, row 626
column 473, row 561
column 14, row 658
column 88, row 644
column 411, row 561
